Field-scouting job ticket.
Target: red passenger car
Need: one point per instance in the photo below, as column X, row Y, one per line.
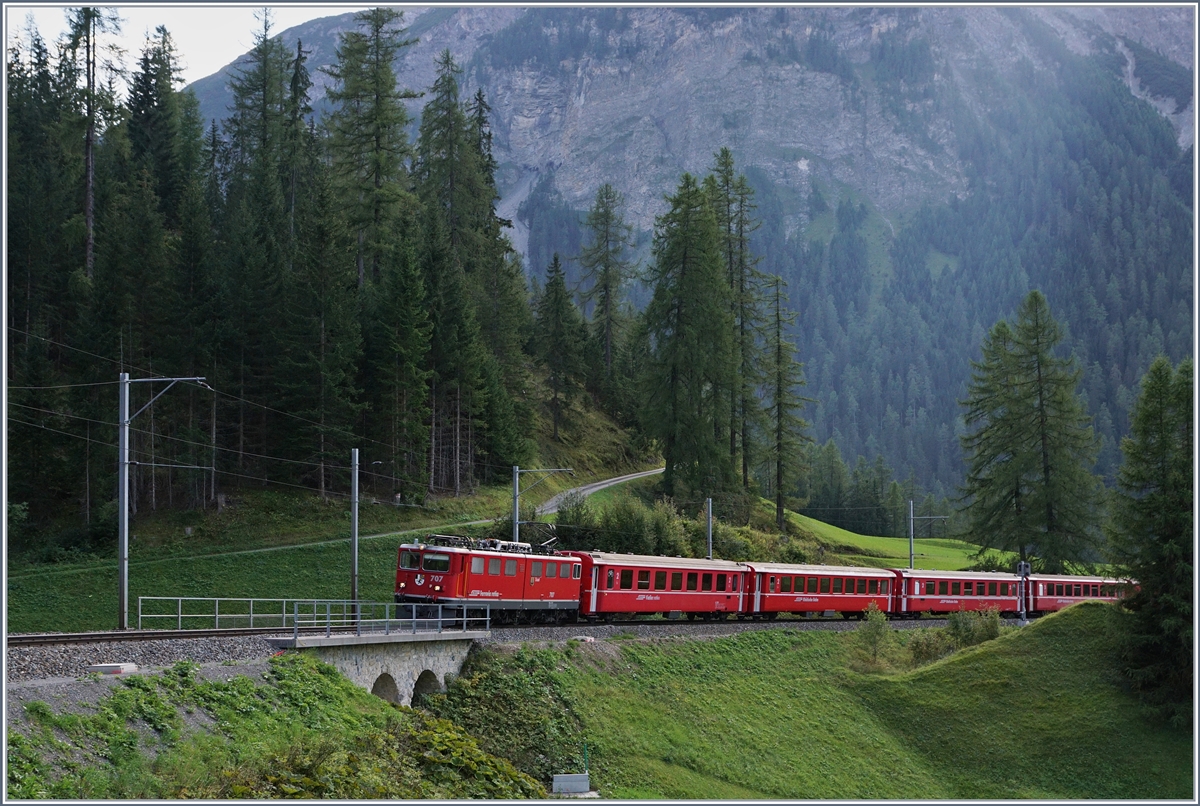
column 1051, row 592
column 947, row 591
column 636, row 584
column 779, row 588
column 516, row 580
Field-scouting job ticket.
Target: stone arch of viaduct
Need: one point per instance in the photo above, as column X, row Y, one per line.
column 393, row 668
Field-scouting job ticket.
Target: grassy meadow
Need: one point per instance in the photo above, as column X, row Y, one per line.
column 1038, row 713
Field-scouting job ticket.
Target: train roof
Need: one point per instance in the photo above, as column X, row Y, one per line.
column 840, row 570
column 643, row 560
column 1076, row 578
column 466, row 545
column 918, row 572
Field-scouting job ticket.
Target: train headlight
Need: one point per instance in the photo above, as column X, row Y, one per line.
column 402, row 585
column 437, row 587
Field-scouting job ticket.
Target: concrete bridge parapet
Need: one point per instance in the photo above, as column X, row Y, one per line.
column 393, row 667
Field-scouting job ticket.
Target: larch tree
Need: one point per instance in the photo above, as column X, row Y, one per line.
column 1151, row 538
column 787, row 429
column 1029, row 488
column 688, row 323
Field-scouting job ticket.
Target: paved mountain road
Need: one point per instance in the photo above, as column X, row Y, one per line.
column 551, row 506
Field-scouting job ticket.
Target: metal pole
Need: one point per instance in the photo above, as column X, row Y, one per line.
column 123, row 500
column 516, row 505
column 910, row 534
column 708, row 511
column 354, row 529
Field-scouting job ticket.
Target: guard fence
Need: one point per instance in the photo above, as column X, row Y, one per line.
column 308, row 615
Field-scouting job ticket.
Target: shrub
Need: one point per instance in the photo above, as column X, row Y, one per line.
column 970, row 627
column 927, row 646
column 874, row 635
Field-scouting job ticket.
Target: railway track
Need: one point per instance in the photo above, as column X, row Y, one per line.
column 51, row 639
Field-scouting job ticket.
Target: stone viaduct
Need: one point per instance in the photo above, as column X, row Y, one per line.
column 394, row 667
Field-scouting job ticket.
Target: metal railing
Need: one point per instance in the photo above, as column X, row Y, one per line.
column 333, row 615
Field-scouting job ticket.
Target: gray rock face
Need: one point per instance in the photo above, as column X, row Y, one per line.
column 655, row 92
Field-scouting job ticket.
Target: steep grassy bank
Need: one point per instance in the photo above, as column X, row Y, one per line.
column 301, row 732
column 1037, row 713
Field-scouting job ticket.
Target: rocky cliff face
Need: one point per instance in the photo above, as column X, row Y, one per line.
column 637, row 96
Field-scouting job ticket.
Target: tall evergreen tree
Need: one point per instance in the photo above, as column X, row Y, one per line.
column 689, row 326
column 155, row 123
column 786, row 439
column 1151, row 537
column 1029, row 489
column 368, row 133
column 606, row 266
column 558, row 338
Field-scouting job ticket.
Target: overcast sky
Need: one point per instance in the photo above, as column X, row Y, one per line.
column 207, row 37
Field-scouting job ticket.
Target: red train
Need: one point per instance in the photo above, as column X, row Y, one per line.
column 521, row 582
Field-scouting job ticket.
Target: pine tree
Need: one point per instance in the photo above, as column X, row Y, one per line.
column 1151, row 537
column 689, row 326
column 155, row 124
column 787, row 437
column 1028, row 488
column 558, row 338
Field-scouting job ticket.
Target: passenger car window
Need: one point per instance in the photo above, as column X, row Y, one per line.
column 824, row 584
column 968, row 589
column 410, row 560
column 706, row 582
column 929, row 588
column 643, row 580
column 837, row 585
column 812, row 585
column 626, row 579
column 955, row 588
column 873, row 586
column 786, row 585
column 991, row 589
column 676, row 580
column 943, row 586
column 733, row 583
column 510, row 568
column 660, row 580
column 862, row 585
column 720, row 582
column 691, row 579
column 883, row 585
column 611, row 577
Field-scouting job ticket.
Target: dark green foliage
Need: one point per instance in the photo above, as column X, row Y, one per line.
column 1030, row 447
column 553, row 227
column 1152, row 534
column 559, row 338
column 515, row 706
column 1160, row 75
column 786, row 428
column 966, row 628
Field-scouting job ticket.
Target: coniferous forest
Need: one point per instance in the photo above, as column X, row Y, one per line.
column 342, row 278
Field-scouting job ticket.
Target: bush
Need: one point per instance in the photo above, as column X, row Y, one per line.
column 927, row 646
column 625, row 526
column 966, row 628
column 874, row 635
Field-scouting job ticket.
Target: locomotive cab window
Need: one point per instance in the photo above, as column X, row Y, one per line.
column 676, row 580
column 510, row 568
column 494, row 567
column 552, row 570
column 626, row 579
column 436, row 562
column 575, row 569
column 643, row 580
column 535, row 569
column 410, row 560
column 477, row 565
column 660, row 580
column 692, row 580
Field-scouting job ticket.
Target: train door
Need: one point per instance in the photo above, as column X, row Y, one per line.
column 758, row 584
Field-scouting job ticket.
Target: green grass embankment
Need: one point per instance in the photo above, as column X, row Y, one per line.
column 1038, row 713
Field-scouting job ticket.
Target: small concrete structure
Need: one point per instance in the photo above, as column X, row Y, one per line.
column 571, row 783
column 393, row 667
